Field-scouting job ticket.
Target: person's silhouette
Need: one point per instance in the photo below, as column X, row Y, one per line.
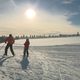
column 26, row 47
column 10, row 41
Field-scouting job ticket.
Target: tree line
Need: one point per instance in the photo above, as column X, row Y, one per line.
column 47, row 36
column 2, row 38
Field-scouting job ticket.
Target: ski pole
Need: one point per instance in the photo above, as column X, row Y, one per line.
column 2, row 46
column 31, row 50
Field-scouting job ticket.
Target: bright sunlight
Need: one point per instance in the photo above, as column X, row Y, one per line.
column 30, row 13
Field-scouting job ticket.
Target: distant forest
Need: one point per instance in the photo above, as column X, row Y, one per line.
column 2, row 38
column 47, row 36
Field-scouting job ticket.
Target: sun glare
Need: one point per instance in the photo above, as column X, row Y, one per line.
column 30, row 13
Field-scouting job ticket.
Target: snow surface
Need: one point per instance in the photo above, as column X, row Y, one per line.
column 51, row 41
column 49, row 59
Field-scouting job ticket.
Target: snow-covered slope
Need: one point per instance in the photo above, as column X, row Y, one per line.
column 50, row 41
column 45, row 62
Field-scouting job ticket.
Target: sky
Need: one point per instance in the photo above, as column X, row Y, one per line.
column 52, row 16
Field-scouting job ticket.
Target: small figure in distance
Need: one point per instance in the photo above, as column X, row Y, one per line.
column 9, row 41
column 26, row 47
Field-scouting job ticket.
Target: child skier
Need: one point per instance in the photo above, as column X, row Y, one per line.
column 26, row 47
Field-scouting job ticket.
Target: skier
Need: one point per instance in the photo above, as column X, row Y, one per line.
column 10, row 41
column 26, row 47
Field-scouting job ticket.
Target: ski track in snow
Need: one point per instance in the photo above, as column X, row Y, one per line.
column 44, row 63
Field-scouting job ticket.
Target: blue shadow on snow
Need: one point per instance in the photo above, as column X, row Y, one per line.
column 24, row 62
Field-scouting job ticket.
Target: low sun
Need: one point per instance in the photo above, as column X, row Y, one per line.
column 30, row 13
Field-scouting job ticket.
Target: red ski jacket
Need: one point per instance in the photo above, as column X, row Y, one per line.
column 9, row 40
column 26, row 44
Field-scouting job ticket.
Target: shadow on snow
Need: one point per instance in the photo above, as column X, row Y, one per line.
column 2, row 59
column 24, row 62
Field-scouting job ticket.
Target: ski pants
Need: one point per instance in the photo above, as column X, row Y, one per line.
column 26, row 50
column 11, row 49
